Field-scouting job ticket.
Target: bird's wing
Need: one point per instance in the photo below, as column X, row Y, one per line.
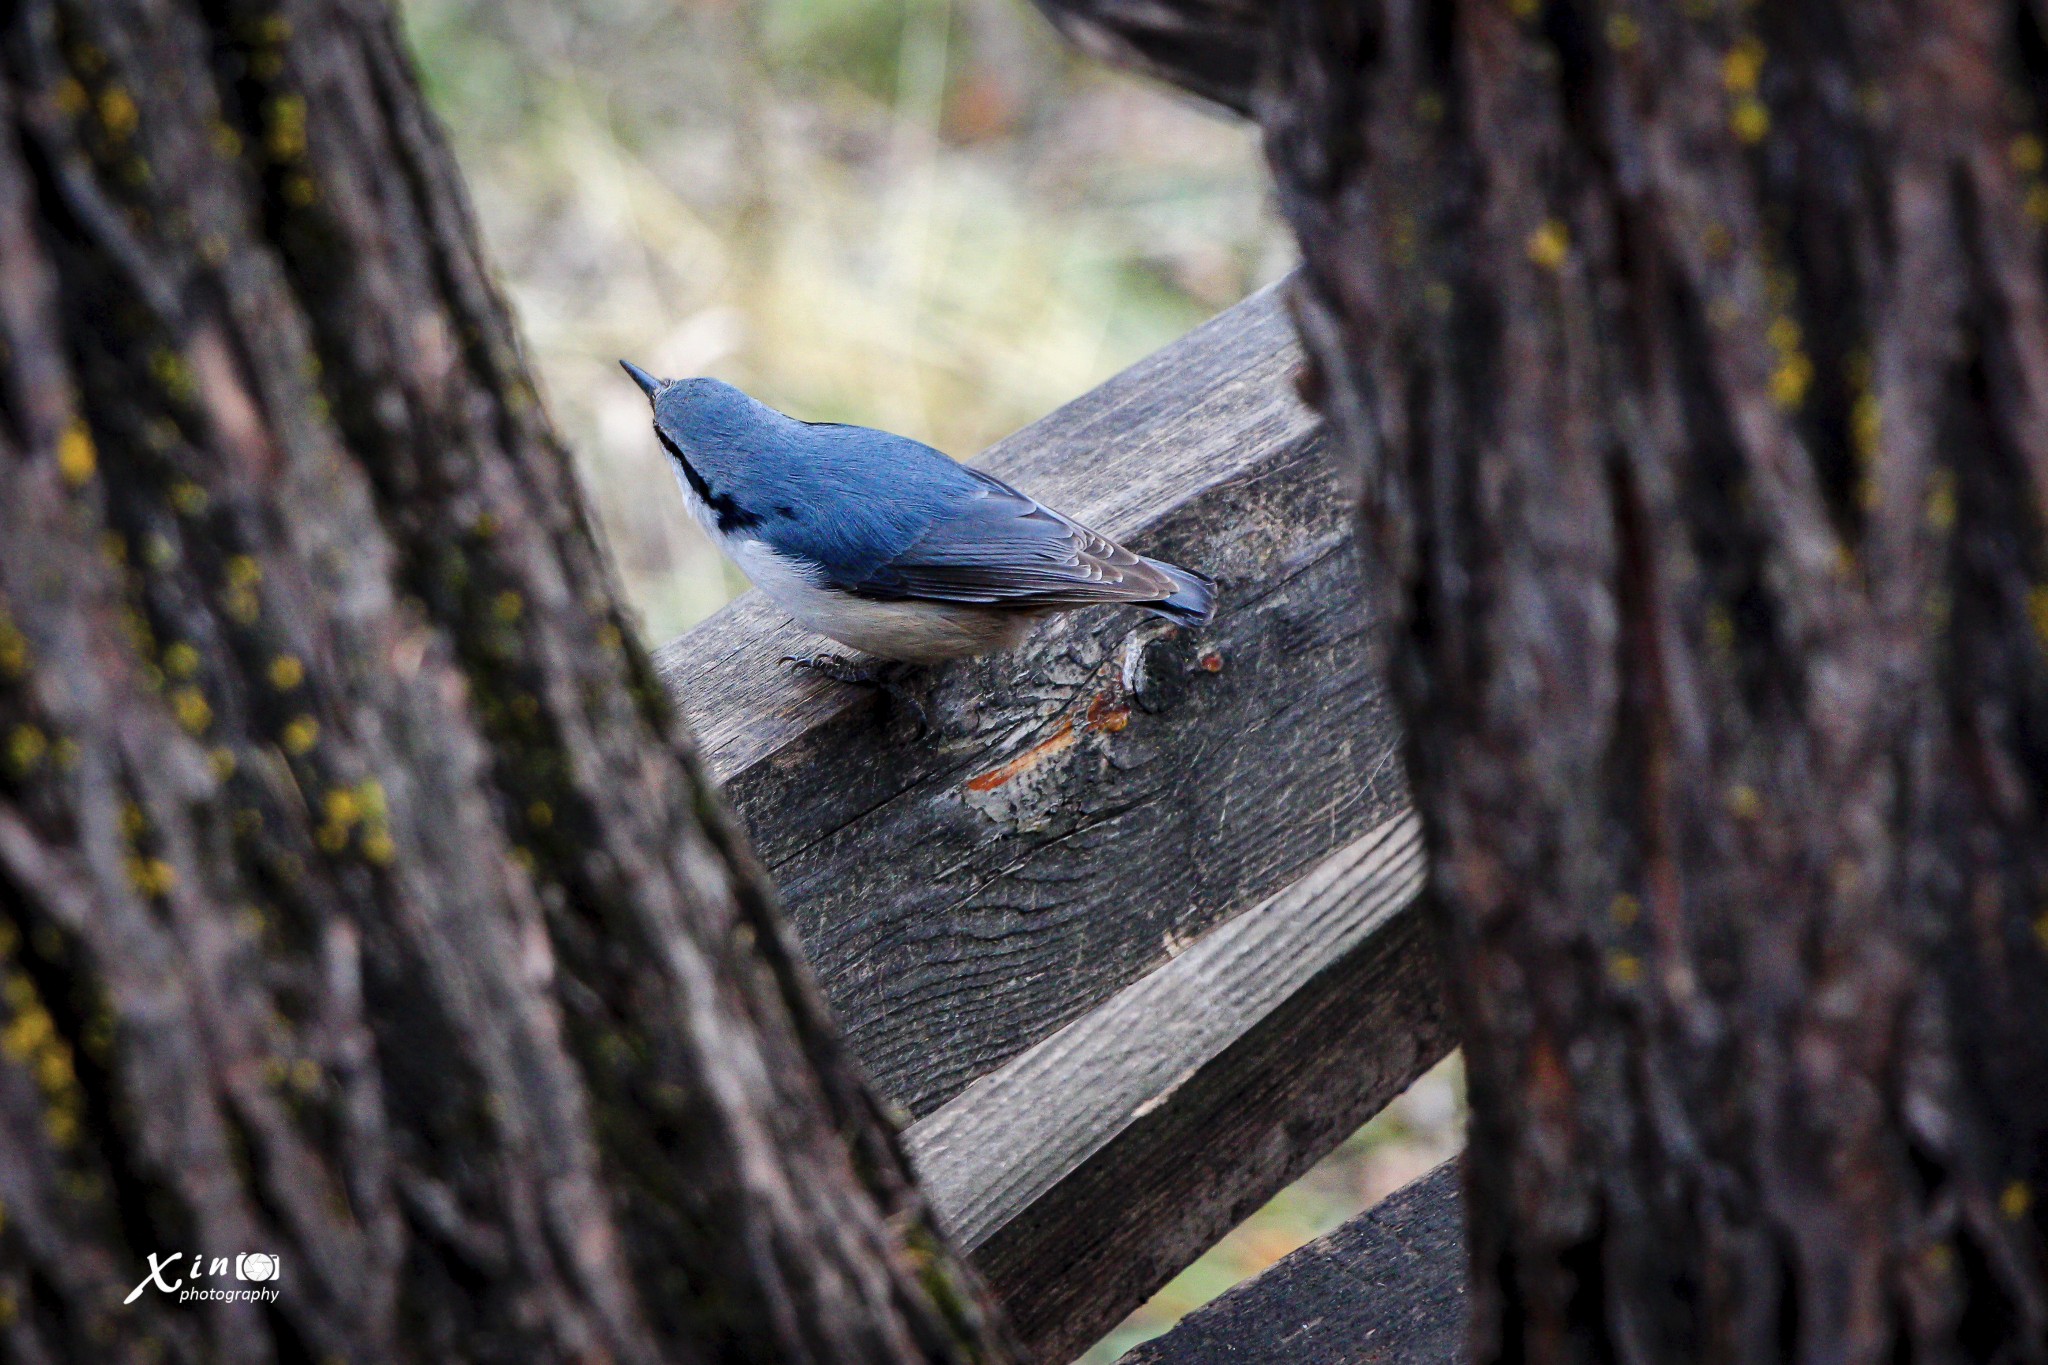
column 999, row 547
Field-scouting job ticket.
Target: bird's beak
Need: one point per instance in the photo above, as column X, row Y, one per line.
column 649, row 385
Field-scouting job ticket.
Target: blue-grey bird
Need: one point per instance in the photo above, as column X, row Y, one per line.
column 885, row 544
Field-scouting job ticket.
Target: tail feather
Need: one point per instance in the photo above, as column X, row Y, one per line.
column 1194, row 596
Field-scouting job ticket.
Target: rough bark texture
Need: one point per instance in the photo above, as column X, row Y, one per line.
column 360, row 901
column 1693, row 357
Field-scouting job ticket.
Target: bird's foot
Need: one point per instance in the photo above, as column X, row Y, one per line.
column 837, row 667
column 886, row 678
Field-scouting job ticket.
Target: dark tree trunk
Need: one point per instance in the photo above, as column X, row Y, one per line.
column 360, row 901
column 1694, row 358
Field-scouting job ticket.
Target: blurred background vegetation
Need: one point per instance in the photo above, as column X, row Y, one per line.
column 924, row 215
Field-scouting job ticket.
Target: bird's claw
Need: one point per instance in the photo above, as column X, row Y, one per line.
column 837, row 667
column 885, row 678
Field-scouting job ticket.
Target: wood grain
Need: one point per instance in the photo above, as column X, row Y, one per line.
column 1096, row 800
column 1182, row 1148
column 1387, row 1288
column 1015, row 1133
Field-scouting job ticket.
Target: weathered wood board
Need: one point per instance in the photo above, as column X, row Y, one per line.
column 1096, row 800
column 1095, row 1166
column 1387, row 1288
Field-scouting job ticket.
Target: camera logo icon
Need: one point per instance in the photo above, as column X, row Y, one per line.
column 257, row 1265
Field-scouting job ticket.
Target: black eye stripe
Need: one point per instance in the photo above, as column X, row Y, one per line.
column 729, row 515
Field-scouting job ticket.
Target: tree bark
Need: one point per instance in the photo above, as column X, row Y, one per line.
column 1693, row 359
column 361, row 902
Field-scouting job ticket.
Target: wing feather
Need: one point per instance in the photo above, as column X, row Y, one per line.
column 1002, row 547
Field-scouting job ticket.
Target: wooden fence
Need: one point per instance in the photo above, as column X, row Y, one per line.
column 1131, row 936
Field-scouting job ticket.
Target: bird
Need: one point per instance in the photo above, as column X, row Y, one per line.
column 883, row 543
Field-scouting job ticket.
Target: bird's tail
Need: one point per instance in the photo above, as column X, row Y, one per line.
column 1194, row 596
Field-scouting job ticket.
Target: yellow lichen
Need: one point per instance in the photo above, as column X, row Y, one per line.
column 26, row 746
column 241, row 605
column 151, row 876
column 1749, row 121
column 286, row 672
column 377, row 847
column 1941, row 501
column 31, row 1038
column 222, row 761
column 2026, row 153
column 1790, row 381
column 2037, row 611
column 1625, row 909
column 1549, row 244
column 181, row 660
column 508, row 606
column 286, row 138
column 2014, row 1200
column 1623, row 32
column 1720, row 629
column 76, row 458
column 1866, row 425
column 192, row 709
column 1743, row 67
column 13, row 650
column 118, row 113
column 342, row 807
column 1625, row 968
column 540, row 815
column 189, row 498
column 169, row 369
column 1743, row 802
column 301, row 734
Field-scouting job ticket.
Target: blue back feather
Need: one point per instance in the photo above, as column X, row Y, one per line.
column 884, row 516
column 848, row 498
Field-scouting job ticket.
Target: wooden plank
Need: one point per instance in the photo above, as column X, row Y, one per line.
column 1101, row 797
column 1094, row 1167
column 1387, row 1288
column 1017, row 1132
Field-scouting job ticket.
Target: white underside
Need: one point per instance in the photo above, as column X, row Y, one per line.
column 913, row 632
column 910, row 632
